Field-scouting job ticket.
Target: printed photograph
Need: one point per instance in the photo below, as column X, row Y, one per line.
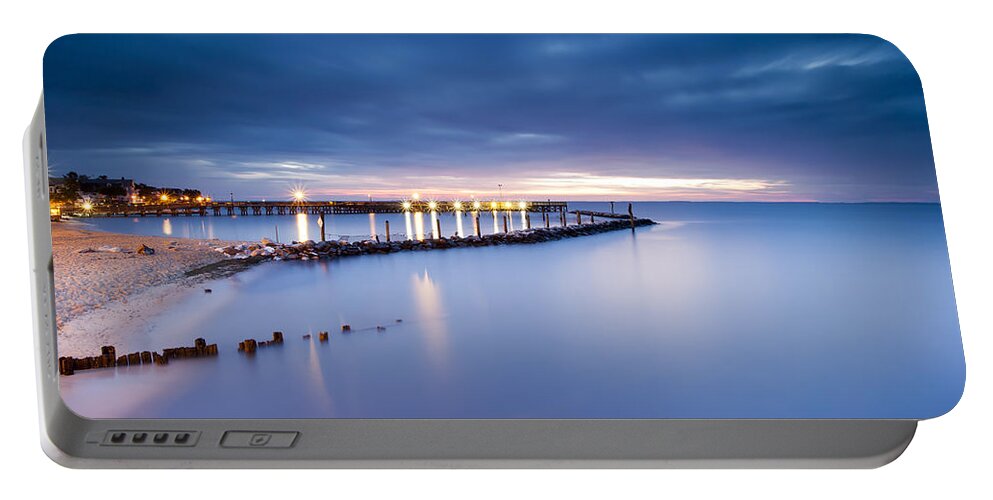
column 496, row 226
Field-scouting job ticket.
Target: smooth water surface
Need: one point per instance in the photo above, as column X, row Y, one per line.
column 722, row 311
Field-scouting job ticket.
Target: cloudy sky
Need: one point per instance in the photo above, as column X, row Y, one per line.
column 639, row 117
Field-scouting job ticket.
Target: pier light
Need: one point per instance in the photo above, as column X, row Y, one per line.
column 523, row 205
column 87, row 206
column 406, row 206
column 476, row 205
column 507, row 205
column 416, row 196
column 164, row 198
column 457, row 204
column 494, row 205
column 299, row 195
column 208, row 199
column 199, row 199
column 433, row 205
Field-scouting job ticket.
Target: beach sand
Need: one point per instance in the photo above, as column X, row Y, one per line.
column 102, row 295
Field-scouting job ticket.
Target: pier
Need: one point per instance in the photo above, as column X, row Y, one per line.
column 260, row 208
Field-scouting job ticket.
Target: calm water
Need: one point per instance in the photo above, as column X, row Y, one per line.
column 724, row 310
column 304, row 227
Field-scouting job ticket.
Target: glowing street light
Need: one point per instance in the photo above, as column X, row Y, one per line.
column 299, row 195
column 523, row 205
column 87, row 206
column 164, row 197
column 494, row 205
column 432, row 205
column 406, row 206
column 199, row 199
column 457, row 205
column 476, row 205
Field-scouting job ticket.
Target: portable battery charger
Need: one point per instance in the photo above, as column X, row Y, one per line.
column 486, row 251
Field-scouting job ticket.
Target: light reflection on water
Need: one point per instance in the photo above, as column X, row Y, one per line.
column 722, row 311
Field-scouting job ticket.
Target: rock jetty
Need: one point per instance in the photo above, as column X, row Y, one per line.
column 313, row 250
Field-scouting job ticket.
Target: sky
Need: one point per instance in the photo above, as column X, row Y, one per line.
column 830, row 118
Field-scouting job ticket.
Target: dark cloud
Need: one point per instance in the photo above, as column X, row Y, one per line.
column 825, row 117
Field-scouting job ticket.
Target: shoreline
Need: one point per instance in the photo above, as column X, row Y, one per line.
column 104, row 281
column 107, row 291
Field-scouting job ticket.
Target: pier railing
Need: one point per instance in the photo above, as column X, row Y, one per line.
column 319, row 207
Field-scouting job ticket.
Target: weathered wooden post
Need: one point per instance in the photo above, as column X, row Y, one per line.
column 505, row 223
column 387, row 231
column 437, row 224
column 475, row 224
column 631, row 215
column 592, row 219
column 548, row 220
column 346, row 328
column 66, row 366
column 527, row 220
column 320, row 223
column 579, row 218
column 322, row 336
column 277, row 337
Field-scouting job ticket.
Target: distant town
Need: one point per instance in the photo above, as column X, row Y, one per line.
column 73, row 189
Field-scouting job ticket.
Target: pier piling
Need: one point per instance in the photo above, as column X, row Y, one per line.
column 387, row 231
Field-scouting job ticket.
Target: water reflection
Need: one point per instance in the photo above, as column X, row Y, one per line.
column 496, row 226
column 430, row 314
column 435, row 226
column 524, row 219
column 303, row 234
column 372, row 225
column 458, row 224
column 419, row 225
column 167, row 227
column 410, row 231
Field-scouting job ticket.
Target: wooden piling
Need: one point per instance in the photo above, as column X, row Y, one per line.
column 631, row 215
column 277, row 337
column 527, row 221
column 579, row 218
column 505, row 223
column 146, row 358
column 475, row 224
column 322, row 336
column 346, row 328
column 320, row 222
column 437, row 225
column 248, row 345
column 387, row 231
column 66, row 366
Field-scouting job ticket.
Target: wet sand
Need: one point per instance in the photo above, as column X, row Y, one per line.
column 103, row 293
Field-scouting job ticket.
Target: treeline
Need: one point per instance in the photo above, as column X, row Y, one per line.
column 72, row 187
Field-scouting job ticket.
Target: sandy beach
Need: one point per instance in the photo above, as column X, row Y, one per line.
column 105, row 287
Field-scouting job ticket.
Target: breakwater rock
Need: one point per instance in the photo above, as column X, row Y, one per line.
column 311, row 250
